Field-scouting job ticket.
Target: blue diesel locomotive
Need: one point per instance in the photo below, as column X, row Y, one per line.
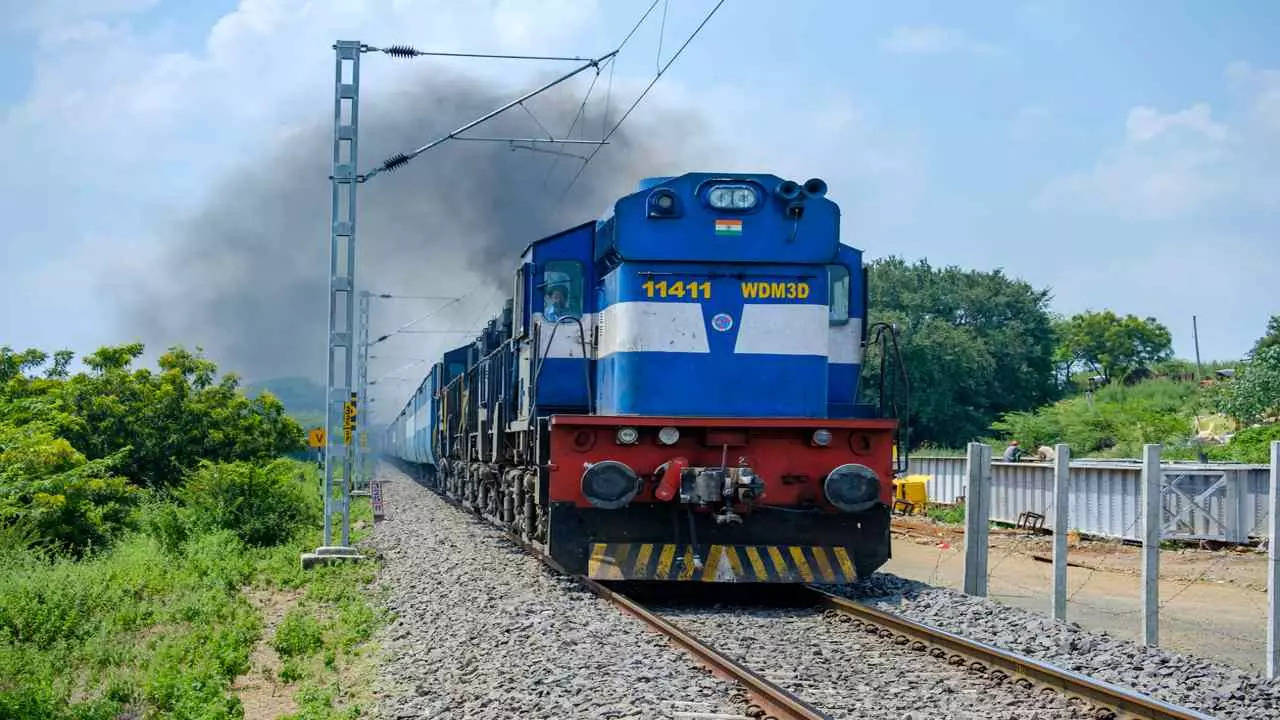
column 671, row 393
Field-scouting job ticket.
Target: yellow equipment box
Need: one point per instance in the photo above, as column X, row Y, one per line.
column 913, row 489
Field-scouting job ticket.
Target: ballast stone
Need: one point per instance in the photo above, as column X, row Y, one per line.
column 1213, row 688
column 485, row 631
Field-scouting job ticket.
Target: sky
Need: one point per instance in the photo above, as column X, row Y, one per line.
column 1124, row 156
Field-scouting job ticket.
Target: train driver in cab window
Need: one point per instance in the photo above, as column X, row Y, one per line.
column 556, row 304
column 562, row 282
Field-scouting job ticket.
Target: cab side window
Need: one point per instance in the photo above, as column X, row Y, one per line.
column 561, row 289
column 838, row 309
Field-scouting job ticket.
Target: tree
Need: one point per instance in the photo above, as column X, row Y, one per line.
column 1113, row 346
column 1254, row 394
column 158, row 425
column 976, row 345
column 13, row 364
column 74, row 449
column 1270, row 339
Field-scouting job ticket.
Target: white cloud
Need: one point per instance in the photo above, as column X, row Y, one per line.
column 1182, row 163
column 1146, row 123
column 1262, row 85
column 934, row 40
column 1137, row 181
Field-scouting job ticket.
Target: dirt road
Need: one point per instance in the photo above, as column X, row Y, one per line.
column 1212, row 602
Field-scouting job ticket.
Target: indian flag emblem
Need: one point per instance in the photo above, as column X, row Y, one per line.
column 729, row 228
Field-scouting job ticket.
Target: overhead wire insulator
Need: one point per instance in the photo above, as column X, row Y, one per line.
column 402, row 51
column 394, row 161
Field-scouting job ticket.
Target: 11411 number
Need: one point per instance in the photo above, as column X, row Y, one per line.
column 678, row 288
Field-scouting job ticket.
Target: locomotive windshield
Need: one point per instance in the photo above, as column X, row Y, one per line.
column 562, row 289
column 838, row 276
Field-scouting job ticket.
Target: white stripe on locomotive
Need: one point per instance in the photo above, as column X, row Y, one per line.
column 640, row 326
column 845, row 343
column 782, row 329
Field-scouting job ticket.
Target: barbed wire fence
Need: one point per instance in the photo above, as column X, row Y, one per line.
column 1012, row 558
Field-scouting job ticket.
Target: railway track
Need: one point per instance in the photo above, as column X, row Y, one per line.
column 1041, row 690
column 1026, row 687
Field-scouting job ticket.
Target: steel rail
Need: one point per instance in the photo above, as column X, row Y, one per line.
column 772, row 699
column 1123, row 701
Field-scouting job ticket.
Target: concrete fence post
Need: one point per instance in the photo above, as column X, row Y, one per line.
column 977, row 511
column 1152, row 522
column 1061, row 481
column 1273, row 567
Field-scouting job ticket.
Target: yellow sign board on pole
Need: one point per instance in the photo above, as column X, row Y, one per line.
column 315, row 438
column 348, row 419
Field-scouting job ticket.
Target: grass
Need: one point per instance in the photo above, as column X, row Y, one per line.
column 145, row 630
column 949, row 514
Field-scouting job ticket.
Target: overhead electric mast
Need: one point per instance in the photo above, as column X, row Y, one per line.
column 342, row 402
column 343, row 397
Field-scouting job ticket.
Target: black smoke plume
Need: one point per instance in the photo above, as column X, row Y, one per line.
column 245, row 275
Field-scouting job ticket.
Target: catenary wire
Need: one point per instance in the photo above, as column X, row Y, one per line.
column 711, row 13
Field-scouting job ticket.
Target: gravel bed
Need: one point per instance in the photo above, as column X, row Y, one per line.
column 483, row 630
column 850, row 673
column 1212, row 688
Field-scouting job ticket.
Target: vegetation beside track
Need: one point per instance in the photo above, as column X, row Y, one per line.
column 986, row 357
column 149, row 550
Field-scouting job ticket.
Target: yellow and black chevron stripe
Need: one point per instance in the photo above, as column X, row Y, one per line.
column 721, row 563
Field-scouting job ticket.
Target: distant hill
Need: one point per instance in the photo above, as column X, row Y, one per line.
column 303, row 398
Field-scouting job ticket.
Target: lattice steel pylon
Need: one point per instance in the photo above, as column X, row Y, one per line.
column 340, row 401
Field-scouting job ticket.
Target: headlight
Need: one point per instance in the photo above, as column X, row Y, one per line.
column 609, row 484
column 668, row 435
column 852, row 487
column 822, row 438
column 732, row 197
column 628, row 435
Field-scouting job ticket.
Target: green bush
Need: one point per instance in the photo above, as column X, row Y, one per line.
column 298, row 634
column 51, row 494
column 1116, row 421
column 1251, row 445
column 261, row 505
column 1254, row 394
column 167, row 522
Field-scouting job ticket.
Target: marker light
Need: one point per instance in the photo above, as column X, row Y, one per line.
column 732, row 197
column 668, row 435
column 662, row 203
column 822, row 437
column 628, row 436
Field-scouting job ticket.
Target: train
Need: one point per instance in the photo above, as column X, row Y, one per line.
column 672, row 393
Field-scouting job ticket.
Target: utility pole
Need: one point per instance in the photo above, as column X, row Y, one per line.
column 1195, row 334
column 340, row 401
